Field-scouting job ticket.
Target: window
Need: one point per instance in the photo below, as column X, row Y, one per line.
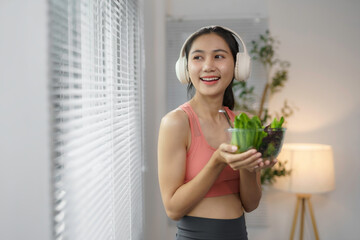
column 96, row 54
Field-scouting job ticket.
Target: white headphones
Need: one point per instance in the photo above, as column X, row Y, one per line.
column 242, row 64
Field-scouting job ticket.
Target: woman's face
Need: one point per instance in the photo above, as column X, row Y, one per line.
column 210, row 65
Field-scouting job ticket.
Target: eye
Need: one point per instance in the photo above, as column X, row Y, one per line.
column 197, row 57
column 219, row 56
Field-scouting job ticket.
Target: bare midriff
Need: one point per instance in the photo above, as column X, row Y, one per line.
column 221, row 207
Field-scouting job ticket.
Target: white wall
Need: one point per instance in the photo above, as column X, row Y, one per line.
column 225, row 9
column 24, row 123
column 321, row 40
column 154, row 109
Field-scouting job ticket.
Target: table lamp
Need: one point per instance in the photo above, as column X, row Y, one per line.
column 312, row 171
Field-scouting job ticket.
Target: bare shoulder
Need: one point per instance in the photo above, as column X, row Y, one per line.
column 174, row 131
column 176, row 120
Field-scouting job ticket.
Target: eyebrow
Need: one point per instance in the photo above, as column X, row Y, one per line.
column 202, row 51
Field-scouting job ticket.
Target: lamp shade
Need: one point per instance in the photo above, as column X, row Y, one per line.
column 312, row 168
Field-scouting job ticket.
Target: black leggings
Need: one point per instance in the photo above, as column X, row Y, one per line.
column 193, row 228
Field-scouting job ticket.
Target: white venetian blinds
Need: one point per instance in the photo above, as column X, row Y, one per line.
column 95, row 71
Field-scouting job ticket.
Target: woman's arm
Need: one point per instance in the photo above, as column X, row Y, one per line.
column 250, row 184
column 179, row 197
column 250, row 189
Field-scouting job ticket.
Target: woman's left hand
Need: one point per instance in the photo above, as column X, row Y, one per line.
column 265, row 164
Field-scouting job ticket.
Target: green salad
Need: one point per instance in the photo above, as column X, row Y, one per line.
column 250, row 133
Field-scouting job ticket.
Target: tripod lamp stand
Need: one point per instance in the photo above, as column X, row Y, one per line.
column 312, row 171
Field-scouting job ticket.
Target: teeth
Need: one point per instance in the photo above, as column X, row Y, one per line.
column 209, row 79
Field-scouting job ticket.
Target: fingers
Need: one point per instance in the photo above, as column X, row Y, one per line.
column 249, row 159
column 273, row 163
column 263, row 164
column 228, row 148
column 266, row 164
column 269, row 163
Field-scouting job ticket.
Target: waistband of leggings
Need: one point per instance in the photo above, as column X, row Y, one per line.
column 205, row 228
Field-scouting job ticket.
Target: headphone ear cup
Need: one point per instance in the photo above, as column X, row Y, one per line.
column 242, row 66
column 181, row 71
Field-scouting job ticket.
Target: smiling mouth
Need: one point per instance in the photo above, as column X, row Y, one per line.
column 210, row 79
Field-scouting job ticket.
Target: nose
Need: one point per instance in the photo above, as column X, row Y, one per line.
column 209, row 65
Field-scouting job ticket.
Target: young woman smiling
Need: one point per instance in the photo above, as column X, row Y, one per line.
column 203, row 183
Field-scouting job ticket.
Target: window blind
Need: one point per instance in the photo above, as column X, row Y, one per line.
column 95, row 57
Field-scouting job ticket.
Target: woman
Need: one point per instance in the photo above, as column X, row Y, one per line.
column 203, row 183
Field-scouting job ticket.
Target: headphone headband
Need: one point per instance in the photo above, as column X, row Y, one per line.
column 182, row 51
column 242, row 64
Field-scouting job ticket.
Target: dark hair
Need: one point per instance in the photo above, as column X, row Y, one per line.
column 229, row 38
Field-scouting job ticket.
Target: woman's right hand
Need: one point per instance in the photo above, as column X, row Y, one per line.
column 249, row 160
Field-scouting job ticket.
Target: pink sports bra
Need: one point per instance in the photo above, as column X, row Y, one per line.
column 199, row 154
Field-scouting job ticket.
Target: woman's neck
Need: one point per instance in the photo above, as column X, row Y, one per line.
column 207, row 107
